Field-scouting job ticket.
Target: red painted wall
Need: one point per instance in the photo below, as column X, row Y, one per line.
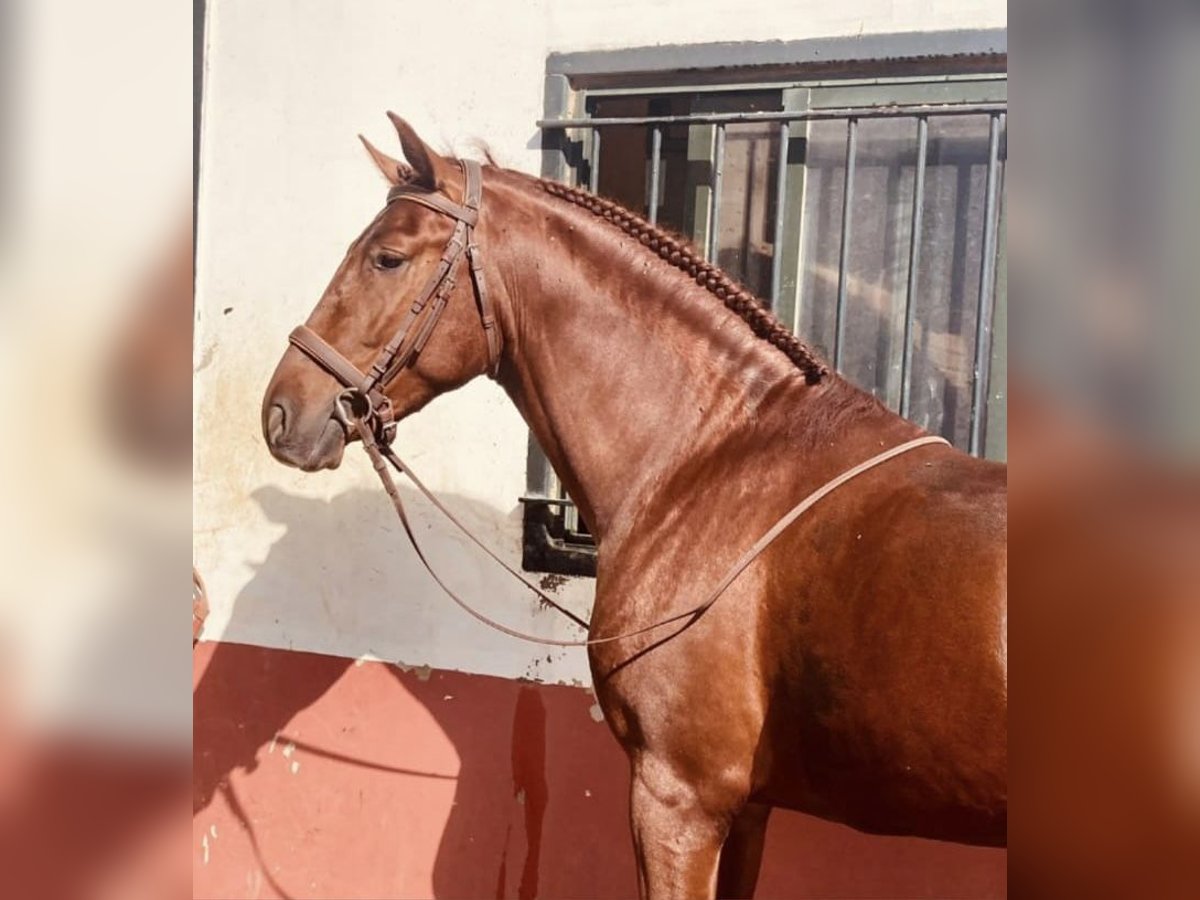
column 315, row 776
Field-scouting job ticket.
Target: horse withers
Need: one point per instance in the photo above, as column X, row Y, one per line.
column 856, row 670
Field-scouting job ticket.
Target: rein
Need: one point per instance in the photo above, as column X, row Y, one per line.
column 364, row 408
column 381, row 455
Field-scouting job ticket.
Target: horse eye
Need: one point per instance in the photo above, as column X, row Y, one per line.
column 388, row 261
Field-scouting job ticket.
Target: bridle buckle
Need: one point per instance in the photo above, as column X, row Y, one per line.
column 352, row 406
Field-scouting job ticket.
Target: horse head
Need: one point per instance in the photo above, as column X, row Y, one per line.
column 415, row 266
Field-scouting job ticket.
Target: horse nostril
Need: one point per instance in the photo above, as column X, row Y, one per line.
column 276, row 423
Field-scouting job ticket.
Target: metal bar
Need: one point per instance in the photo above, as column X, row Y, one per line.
column 843, row 112
column 987, row 273
column 714, row 196
column 655, row 157
column 594, row 162
column 539, row 500
column 914, row 265
column 780, row 213
column 753, row 86
column 788, row 301
column 995, row 439
column 839, row 337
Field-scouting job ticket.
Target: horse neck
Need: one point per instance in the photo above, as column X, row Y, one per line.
column 622, row 366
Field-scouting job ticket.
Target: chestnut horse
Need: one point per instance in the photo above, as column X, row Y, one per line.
column 857, row 670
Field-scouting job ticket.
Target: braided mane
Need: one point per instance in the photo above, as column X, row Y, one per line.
column 679, row 253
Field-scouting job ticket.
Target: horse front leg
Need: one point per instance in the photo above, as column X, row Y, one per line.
column 741, row 857
column 677, row 837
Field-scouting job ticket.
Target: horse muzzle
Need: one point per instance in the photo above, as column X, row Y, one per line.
column 306, row 442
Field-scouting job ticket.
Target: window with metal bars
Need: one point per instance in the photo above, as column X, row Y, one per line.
column 864, row 205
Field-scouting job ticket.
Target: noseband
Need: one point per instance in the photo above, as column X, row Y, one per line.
column 365, row 395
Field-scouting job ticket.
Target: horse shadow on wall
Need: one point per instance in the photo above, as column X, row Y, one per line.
column 522, row 819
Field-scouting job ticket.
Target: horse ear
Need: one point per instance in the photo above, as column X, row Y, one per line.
column 393, row 170
column 429, row 170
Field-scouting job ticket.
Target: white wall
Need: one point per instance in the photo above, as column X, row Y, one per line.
column 284, row 188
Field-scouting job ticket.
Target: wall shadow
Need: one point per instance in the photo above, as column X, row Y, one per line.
column 520, row 823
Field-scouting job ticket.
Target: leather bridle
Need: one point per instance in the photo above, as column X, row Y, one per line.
column 366, row 392
column 364, row 410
